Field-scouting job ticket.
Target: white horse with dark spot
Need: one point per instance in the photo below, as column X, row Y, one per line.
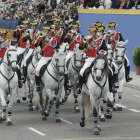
column 96, row 88
column 74, row 67
column 53, row 81
column 8, row 81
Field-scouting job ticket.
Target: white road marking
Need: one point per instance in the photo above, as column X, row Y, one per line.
column 121, row 106
column 38, row 132
column 134, row 110
column 137, row 96
column 65, row 121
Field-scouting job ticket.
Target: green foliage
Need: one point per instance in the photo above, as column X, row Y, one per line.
column 136, row 56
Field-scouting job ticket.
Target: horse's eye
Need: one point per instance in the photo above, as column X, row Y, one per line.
column 57, row 59
column 9, row 54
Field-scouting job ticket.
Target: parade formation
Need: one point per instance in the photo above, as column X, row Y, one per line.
column 95, row 67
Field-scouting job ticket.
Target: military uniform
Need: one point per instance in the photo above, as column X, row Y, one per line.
column 92, row 46
column 19, row 34
column 116, row 36
column 58, row 32
column 47, row 44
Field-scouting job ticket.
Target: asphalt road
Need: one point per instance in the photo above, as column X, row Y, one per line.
column 29, row 126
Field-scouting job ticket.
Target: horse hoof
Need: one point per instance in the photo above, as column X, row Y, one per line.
column 99, row 128
column 96, row 131
column 58, row 120
column 77, row 110
column 18, row 101
column 30, row 109
column 7, row 102
column 107, row 116
column 115, row 109
column 102, row 119
column 61, row 103
column 46, row 114
column 119, row 108
column 82, row 124
column 9, row 123
column 64, row 101
column 24, row 98
column 44, row 118
column 36, row 107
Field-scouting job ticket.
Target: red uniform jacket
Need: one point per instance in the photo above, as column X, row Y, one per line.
column 117, row 38
column 74, row 39
column 22, row 43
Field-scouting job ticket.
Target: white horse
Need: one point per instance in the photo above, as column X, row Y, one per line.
column 74, row 66
column 53, row 81
column 96, row 88
column 30, row 76
column 8, row 81
column 20, row 63
column 119, row 54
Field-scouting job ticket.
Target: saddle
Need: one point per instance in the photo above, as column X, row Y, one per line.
column 29, row 60
column 43, row 68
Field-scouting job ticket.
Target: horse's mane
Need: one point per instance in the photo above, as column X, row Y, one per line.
column 102, row 56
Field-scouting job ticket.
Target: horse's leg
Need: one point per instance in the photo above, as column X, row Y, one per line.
column 24, row 92
column 17, row 97
column 95, row 106
column 121, row 82
column 13, row 92
column 65, row 96
column 76, row 105
column 57, row 106
column 101, row 111
column 30, row 96
column 82, row 123
column 3, row 102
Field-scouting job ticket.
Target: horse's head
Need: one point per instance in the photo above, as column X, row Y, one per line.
column 110, row 53
column 120, row 51
column 66, row 46
column 10, row 57
column 59, row 60
column 100, row 66
column 78, row 56
column 38, row 53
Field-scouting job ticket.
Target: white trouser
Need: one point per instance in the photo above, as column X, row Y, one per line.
column 30, row 52
column 87, row 64
column 20, row 50
column 108, row 6
column 116, row 68
column 128, row 64
column 41, row 62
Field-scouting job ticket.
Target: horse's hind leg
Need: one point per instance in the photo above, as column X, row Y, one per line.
column 30, row 95
column 82, row 123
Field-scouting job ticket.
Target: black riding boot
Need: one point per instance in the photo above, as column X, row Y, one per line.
column 19, row 78
column 37, row 79
column 24, row 73
column 79, row 85
column 127, row 72
column 66, row 82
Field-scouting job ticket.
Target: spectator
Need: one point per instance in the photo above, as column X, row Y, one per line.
column 53, row 4
column 129, row 4
column 41, row 6
column 122, row 4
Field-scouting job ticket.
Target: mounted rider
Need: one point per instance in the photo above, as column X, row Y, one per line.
column 116, row 36
column 92, row 44
column 58, row 31
column 19, row 34
column 47, row 44
column 4, row 42
column 31, row 35
column 72, row 37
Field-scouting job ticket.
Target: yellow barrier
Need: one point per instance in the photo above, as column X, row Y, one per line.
column 10, row 35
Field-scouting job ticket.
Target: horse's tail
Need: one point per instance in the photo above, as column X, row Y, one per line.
column 88, row 107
